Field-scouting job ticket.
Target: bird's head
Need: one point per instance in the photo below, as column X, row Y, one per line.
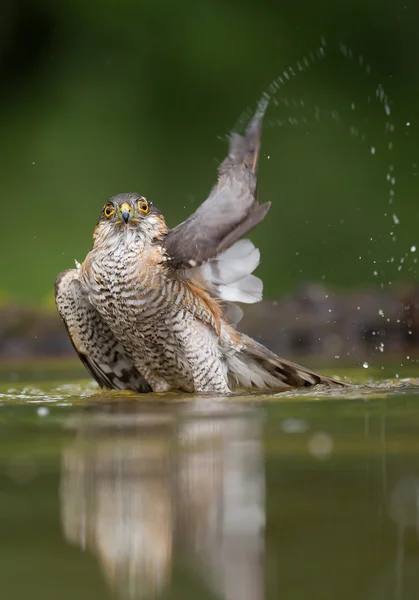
column 129, row 216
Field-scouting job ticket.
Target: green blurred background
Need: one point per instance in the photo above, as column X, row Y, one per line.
column 105, row 97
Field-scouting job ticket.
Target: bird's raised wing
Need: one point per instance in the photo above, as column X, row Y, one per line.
column 97, row 347
column 230, row 211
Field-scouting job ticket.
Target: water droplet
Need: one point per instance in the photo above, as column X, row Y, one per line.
column 292, row 425
column 413, row 249
column 320, row 445
column 365, row 365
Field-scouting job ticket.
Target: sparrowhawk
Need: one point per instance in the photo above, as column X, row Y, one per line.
column 153, row 308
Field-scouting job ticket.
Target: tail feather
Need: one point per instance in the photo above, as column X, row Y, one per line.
column 259, row 368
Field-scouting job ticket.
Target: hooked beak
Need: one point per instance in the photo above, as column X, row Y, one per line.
column 125, row 212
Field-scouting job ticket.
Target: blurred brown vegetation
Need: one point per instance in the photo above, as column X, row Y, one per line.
column 330, row 327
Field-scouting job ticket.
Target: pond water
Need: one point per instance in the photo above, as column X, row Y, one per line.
column 312, row 495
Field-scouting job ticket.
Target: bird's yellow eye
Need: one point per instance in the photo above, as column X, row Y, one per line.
column 143, row 206
column 108, row 211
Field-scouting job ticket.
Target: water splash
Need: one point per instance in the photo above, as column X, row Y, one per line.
column 299, row 112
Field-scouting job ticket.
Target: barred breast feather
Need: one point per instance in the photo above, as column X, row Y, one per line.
column 98, row 349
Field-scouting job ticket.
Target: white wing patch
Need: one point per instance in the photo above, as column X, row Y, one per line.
column 248, row 290
column 230, row 273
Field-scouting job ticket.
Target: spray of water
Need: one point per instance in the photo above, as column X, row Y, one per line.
column 303, row 113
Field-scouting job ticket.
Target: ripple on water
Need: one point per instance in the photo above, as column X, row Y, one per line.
column 61, row 395
column 68, row 394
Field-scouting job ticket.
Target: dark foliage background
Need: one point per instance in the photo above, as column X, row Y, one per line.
column 103, row 97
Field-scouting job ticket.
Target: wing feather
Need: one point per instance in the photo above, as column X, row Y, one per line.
column 98, row 349
column 230, row 211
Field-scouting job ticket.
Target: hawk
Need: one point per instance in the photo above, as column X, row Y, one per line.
column 154, row 309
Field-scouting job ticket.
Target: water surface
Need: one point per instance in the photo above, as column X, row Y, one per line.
column 312, row 495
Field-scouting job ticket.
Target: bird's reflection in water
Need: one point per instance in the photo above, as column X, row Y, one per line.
column 138, row 488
